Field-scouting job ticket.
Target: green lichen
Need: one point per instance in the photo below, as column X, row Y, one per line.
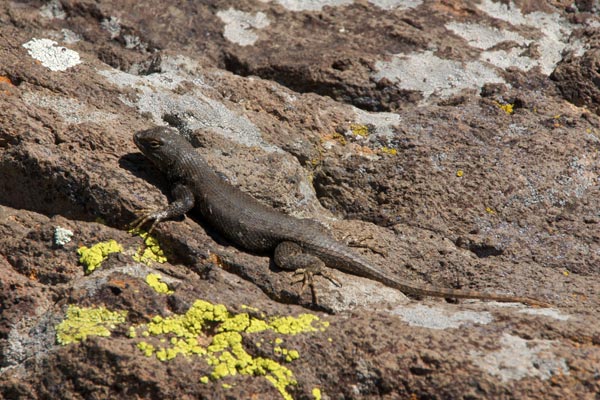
column 222, row 331
column 156, row 283
column 83, row 322
column 150, row 251
column 92, row 257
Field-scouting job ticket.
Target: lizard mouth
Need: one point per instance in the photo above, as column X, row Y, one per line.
column 137, row 141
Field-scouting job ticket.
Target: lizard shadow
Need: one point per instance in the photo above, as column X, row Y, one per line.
column 138, row 165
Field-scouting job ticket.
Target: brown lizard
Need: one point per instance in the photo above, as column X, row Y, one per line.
column 300, row 245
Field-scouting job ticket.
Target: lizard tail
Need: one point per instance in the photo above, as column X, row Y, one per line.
column 351, row 263
column 422, row 290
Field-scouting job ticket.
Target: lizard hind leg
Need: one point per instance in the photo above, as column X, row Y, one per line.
column 291, row 257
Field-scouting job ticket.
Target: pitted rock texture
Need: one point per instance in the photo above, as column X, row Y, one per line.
column 451, row 143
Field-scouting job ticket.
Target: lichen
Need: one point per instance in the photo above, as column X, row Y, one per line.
column 340, row 138
column 360, row 129
column 132, row 333
column 150, row 251
column 83, row 322
column 62, row 236
column 294, row 325
column 221, row 332
column 316, row 392
column 156, row 283
column 92, row 257
column 146, row 348
column 508, row 108
column 389, row 150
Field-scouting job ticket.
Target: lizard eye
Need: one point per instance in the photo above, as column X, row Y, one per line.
column 155, row 144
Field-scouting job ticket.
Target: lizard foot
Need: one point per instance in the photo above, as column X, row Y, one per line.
column 307, row 279
column 145, row 215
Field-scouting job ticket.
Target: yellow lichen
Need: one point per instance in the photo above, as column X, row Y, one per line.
column 92, row 257
column 460, row 173
column 340, row 138
column 150, row 250
column 83, row 322
column 508, row 108
column 291, row 355
column 360, row 129
column 490, row 210
column 294, row 325
column 389, row 150
column 146, row 348
column 316, row 392
column 155, row 282
column 224, row 351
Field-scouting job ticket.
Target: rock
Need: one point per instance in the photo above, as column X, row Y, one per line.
column 452, row 144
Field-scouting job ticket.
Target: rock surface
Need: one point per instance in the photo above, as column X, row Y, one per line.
column 453, row 143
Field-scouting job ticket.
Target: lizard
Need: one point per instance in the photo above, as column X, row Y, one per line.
column 299, row 245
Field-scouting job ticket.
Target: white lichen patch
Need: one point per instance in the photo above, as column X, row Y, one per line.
column 554, row 36
column 62, row 236
column 396, row 4
column 112, row 25
column 311, row 5
column 70, row 110
column 51, row 56
column 240, row 26
column 383, row 123
column 531, row 40
column 69, row 37
column 432, row 75
column 156, row 96
column 440, row 318
column 518, row 358
column 53, row 9
column 547, row 312
column 484, row 37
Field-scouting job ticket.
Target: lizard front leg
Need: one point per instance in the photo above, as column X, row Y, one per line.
column 182, row 203
column 291, row 257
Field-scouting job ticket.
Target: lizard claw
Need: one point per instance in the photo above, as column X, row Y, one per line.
column 307, row 279
column 145, row 215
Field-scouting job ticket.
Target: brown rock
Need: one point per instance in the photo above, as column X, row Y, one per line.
column 474, row 173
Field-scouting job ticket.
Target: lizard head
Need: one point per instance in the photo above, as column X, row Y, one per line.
column 162, row 145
